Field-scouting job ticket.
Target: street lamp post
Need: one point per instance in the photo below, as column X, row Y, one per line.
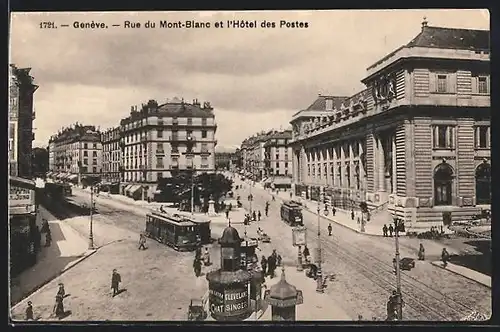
column 91, row 234
column 399, row 296
column 192, row 185
column 319, row 288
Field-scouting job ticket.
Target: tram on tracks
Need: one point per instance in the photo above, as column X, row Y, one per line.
column 291, row 213
column 177, row 231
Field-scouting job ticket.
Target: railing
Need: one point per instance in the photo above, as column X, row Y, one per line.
column 160, row 152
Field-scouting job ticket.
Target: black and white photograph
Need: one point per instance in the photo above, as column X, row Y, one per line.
column 312, row 165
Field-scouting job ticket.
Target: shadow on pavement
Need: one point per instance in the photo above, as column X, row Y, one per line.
column 480, row 262
column 50, row 263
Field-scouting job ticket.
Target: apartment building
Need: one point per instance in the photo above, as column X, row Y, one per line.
column 159, row 141
column 415, row 143
column 111, row 156
column 76, row 153
column 21, row 116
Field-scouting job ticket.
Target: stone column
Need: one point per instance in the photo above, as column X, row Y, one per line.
column 394, row 174
column 342, row 163
column 351, row 164
column 381, row 162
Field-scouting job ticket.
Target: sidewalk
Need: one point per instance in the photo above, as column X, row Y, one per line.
column 67, row 249
column 465, row 272
column 316, row 306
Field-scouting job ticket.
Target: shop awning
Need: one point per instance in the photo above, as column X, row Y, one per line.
column 59, row 175
column 48, row 174
column 135, row 188
column 127, row 188
column 268, row 180
column 73, row 177
column 282, row 181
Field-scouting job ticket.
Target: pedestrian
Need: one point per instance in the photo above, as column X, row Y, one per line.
column 391, row 230
column 142, row 242
column 227, row 214
column 115, row 282
column 273, row 198
column 306, row 254
column 291, row 195
column 259, row 215
column 334, row 210
column 352, row 214
column 263, row 264
column 230, row 206
column 48, row 239
column 421, row 252
column 271, row 262
column 445, row 257
column 267, row 210
column 61, row 291
column 385, row 230
column 29, row 311
column 197, row 254
column 197, row 267
column 330, row 229
column 254, row 216
column 206, row 257
column 59, row 307
column 391, row 306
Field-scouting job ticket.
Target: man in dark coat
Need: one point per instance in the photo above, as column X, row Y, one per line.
column 263, row 264
column 421, row 252
column 115, row 282
column 254, row 216
column 330, row 229
column 352, row 214
column 259, row 215
column 391, row 230
column 306, row 254
column 59, row 307
column 29, row 311
column 142, row 242
column 385, row 230
column 271, row 262
column 334, row 210
column 197, row 267
column 227, row 214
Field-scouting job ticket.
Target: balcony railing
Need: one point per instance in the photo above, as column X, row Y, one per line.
column 187, row 138
column 160, row 152
column 175, row 152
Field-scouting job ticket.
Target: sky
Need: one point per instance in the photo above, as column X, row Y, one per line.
column 255, row 78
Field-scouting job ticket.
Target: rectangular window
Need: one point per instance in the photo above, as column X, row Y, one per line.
column 277, row 165
column 159, row 175
column 204, row 147
column 94, row 169
column 159, row 146
column 204, row 121
column 286, row 165
column 85, row 153
column 85, row 145
column 286, row 172
column 85, row 161
column 441, row 83
column 443, row 137
column 482, row 137
column 482, row 85
column 159, row 162
column 94, row 162
column 159, row 133
column 94, row 146
column 308, row 170
column 203, row 134
column 190, row 121
column 94, row 154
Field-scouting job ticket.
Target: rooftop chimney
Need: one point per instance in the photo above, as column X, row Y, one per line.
column 424, row 23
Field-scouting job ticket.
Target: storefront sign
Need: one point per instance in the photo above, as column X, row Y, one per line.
column 299, row 236
column 228, row 302
column 21, row 200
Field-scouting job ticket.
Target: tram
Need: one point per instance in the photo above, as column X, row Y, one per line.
column 291, row 213
column 178, row 232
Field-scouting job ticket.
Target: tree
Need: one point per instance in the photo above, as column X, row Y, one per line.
column 178, row 188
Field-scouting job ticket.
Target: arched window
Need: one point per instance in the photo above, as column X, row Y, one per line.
column 443, row 180
column 356, row 173
column 483, row 184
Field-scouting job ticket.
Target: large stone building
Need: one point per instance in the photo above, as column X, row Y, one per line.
column 268, row 155
column 415, row 143
column 75, row 152
column 160, row 139
column 21, row 116
column 111, row 155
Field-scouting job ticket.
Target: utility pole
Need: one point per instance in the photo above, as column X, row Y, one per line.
column 91, row 234
column 399, row 296
column 319, row 288
column 192, row 186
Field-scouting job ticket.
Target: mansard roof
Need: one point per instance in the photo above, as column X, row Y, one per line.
column 451, row 38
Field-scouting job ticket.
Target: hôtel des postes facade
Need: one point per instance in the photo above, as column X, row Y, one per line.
column 159, row 140
column 415, row 143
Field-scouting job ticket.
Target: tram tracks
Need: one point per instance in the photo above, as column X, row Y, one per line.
column 422, row 301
